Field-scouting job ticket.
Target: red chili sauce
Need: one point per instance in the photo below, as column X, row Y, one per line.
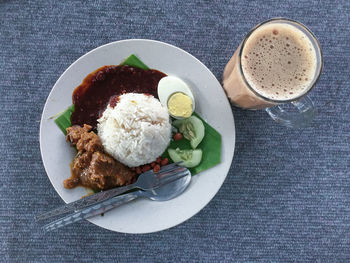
column 104, row 85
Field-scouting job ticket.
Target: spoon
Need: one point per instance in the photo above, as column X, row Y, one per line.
column 163, row 193
column 146, row 181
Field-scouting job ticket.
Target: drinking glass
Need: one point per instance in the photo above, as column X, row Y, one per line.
column 294, row 113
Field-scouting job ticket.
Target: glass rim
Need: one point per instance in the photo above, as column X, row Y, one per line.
column 312, row 84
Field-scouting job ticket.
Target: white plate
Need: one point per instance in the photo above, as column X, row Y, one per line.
column 142, row 216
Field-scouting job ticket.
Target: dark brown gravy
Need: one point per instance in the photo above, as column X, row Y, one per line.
column 104, row 85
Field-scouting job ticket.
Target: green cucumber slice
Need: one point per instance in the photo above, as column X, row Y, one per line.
column 192, row 129
column 189, row 158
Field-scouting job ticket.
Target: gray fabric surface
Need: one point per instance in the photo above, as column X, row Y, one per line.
column 287, row 195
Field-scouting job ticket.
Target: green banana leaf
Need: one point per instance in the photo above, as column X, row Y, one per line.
column 210, row 145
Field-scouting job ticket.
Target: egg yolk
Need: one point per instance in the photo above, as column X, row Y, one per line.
column 180, row 105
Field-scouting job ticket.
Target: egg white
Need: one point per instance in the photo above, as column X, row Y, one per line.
column 170, row 85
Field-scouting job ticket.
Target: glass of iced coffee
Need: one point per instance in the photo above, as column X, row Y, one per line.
column 274, row 68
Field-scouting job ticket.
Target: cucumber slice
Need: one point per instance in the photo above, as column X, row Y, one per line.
column 192, row 129
column 189, row 158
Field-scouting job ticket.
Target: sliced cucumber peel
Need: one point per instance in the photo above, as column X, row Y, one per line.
column 189, row 158
column 192, row 129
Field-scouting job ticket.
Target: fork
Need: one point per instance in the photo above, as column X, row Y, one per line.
column 163, row 193
column 146, row 181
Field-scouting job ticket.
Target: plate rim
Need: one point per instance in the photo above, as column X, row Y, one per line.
column 114, row 43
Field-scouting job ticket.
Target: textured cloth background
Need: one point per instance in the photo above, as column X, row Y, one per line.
column 287, row 195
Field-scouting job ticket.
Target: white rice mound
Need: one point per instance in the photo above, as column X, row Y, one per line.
column 136, row 131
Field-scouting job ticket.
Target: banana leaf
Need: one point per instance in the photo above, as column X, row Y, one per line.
column 210, row 145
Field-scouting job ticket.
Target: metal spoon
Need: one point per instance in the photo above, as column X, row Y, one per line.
column 145, row 181
column 163, row 193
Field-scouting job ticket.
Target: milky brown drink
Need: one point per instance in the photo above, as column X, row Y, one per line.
column 278, row 63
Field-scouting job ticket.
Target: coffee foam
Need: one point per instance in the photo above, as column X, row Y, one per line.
column 279, row 61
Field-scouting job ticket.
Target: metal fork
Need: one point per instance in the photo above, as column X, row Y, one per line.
column 163, row 193
column 146, row 181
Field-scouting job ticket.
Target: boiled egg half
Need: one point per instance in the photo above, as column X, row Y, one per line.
column 176, row 96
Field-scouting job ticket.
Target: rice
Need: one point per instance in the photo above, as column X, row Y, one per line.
column 136, row 131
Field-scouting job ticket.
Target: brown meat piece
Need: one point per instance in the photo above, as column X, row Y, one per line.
column 92, row 167
column 79, row 168
column 75, row 132
column 107, row 172
column 83, row 139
